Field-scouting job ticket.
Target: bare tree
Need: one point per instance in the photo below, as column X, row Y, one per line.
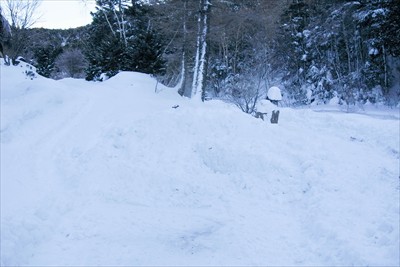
column 22, row 13
column 71, row 63
column 246, row 88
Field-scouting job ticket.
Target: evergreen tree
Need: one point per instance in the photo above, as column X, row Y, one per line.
column 338, row 48
column 121, row 38
column 294, row 53
column 45, row 59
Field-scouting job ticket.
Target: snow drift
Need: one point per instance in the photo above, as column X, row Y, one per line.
column 110, row 174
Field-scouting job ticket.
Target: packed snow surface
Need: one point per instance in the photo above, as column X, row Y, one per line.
column 110, row 174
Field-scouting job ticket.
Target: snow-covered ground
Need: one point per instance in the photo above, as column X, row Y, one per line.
column 110, row 174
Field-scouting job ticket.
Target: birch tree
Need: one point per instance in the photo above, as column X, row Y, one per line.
column 193, row 73
column 114, row 13
column 199, row 71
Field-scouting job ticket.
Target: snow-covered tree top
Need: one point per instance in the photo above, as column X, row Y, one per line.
column 274, row 93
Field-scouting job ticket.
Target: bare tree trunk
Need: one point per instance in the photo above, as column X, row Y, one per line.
column 119, row 16
column 108, row 22
column 197, row 57
column 181, row 82
column 185, row 87
column 385, row 68
column 346, row 42
column 121, row 22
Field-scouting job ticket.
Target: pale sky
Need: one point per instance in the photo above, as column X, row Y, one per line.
column 64, row 14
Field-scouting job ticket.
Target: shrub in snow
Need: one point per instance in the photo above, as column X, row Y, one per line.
column 71, row 63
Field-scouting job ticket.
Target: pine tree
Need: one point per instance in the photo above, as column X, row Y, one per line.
column 121, row 38
column 293, row 52
column 45, row 59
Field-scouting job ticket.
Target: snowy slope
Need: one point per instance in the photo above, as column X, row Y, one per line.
column 110, row 174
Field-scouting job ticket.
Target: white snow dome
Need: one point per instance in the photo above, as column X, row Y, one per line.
column 274, row 93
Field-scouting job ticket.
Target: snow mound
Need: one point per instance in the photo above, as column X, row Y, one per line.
column 265, row 106
column 274, row 93
column 88, row 167
column 129, row 78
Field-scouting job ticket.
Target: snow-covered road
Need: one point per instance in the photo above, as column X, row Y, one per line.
column 110, row 174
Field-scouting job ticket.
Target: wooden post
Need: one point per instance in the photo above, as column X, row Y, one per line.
column 275, row 116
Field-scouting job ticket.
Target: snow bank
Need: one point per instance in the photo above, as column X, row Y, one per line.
column 89, row 168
